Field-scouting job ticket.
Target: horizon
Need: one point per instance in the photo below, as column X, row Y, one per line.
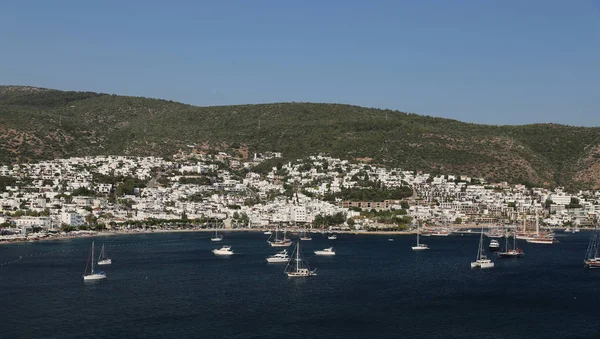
column 506, row 63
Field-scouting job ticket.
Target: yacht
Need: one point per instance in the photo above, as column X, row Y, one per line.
column 225, row 250
column 267, row 232
column 514, row 252
column 541, row 240
column 298, row 267
column 279, row 242
column 279, row 257
column 332, row 237
column 494, row 245
column 325, row 251
column 441, row 233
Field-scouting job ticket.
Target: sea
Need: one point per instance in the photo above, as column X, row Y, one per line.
column 170, row 285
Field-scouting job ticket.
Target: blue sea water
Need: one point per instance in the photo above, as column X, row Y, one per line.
column 172, row 286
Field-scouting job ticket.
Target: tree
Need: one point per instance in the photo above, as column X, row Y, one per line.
column 351, row 223
column 90, row 219
column 458, row 221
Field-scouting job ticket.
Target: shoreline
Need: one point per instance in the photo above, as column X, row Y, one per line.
column 88, row 234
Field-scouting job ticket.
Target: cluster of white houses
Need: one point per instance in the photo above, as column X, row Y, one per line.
column 45, row 189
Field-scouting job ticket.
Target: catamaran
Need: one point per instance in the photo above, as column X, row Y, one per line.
column 482, row 260
column 419, row 246
column 103, row 259
column 298, row 267
column 513, row 252
column 93, row 275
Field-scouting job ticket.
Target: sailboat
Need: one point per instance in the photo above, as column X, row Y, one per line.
column 279, row 242
column 539, row 238
column 482, row 260
column 93, row 275
column 298, row 267
column 515, row 252
column 103, row 259
column 419, row 246
column 217, row 236
column 305, row 235
column 592, row 255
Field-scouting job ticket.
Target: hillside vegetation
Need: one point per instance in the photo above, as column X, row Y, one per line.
column 40, row 123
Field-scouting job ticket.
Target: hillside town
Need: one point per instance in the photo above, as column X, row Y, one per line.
column 194, row 191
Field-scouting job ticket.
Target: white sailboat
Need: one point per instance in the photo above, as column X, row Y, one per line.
column 217, row 236
column 482, row 260
column 298, row 267
column 93, row 275
column 305, row 235
column 419, row 246
column 103, row 259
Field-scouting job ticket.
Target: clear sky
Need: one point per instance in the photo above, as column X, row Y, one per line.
column 481, row 61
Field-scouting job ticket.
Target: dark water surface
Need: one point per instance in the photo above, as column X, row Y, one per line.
column 172, row 286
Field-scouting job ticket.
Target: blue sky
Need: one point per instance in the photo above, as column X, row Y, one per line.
column 494, row 62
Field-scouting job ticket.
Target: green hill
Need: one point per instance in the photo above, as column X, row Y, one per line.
column 40, row 123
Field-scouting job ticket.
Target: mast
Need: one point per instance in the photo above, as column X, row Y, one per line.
column 92, row 272
column 298, row 256
column 480, row 249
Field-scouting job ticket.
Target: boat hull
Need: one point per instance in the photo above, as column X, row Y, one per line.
column 95, row 276
column 223, row 253
column 482, row 264
column 277, row 260
column 419, row 248
column 216, row 239
column 324, row 253
column 105, row 262
column 508, row 255
column 277, row 244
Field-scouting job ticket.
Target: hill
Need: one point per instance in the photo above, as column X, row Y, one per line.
column 38, row 123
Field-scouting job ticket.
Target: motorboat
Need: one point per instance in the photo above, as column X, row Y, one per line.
column 279, row 257
column 225, row 250
column 494, row 245
column 325, row 251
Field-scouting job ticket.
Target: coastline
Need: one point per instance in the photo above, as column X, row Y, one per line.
column 91, row 234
